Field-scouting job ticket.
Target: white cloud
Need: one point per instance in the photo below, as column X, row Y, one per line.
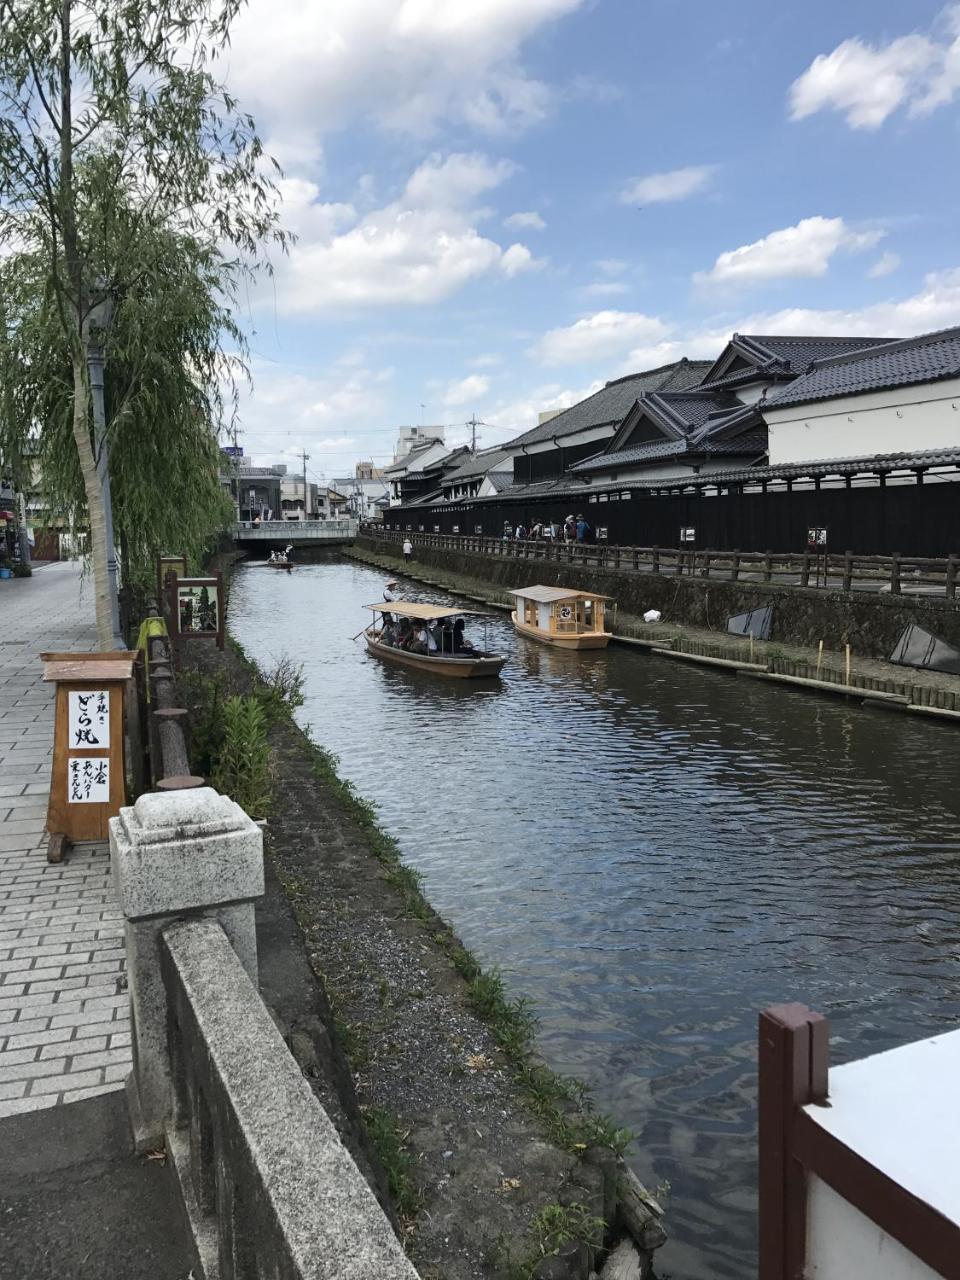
column 611, row 266
column 934, row 306
column 331, row 415
column 467, row 390
column 596, row 337
column 408, row 65
column 885, row 265
column 803, row 250
column 453, row 181
column 418, row 249
column 519, row 258
column 487, row 360
column 511, row 417
column 867, row 83
column 519, row 221
column 659, row 188
column 604, row 289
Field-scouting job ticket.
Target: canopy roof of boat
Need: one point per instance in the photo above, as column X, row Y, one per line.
column 425, row 612
column 547, row 595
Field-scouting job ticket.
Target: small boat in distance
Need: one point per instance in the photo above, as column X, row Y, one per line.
column 561, row 616
column 443, row 651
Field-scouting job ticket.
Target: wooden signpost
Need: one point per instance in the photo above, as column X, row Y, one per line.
column 169, row 564
column 88, row 782
column 195, row 609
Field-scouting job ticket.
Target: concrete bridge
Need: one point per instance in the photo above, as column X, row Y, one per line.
column 301, row 533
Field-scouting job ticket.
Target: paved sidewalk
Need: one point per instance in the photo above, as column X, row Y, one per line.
column 64, row 1021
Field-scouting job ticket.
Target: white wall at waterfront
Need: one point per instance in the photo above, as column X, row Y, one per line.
column 901, row 418
column 899, row 1111
column 842, row 1244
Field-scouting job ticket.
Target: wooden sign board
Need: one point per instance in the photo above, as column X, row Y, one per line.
column 168, row 564
column 88, row 778
column 196, row 607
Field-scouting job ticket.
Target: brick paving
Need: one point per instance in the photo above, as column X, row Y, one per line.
column 64, row 1020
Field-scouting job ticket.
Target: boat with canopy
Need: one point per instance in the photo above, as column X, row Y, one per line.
column 561, row 616
column 430, row 638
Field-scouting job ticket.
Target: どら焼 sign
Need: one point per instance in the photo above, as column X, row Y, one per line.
column 88, row 718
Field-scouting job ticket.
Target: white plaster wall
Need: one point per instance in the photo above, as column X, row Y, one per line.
column 568, row 442
column 903, row 418
column 843, row 1244
column 751, row 394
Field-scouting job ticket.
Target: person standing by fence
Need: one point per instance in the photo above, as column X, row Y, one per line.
column 407, row 549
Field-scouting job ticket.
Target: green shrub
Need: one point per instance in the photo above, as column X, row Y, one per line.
column 242, row 768
column 204, row 697
column 22, row 571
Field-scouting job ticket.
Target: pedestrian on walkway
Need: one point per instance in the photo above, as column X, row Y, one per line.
column 407, row 549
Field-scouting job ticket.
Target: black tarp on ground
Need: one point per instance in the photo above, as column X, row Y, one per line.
column 756, row 623
column 918, row 648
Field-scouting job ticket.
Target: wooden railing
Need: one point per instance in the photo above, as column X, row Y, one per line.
column 896, row 574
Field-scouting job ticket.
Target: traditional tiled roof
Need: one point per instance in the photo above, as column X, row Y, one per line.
column 408, row 459
column 478, row 464
column 439, row 464
column 927, row 358
column 779, row 356
column 609, row 406
column 500, row 480
column 749, row 444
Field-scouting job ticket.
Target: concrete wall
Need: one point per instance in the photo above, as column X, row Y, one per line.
column 870, row 624
column 903, row 418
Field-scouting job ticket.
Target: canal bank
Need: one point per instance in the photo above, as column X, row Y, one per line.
column 785, row 660
column 496, row 1166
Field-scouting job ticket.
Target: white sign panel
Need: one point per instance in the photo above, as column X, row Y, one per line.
column 89, row 718
column 88, row 779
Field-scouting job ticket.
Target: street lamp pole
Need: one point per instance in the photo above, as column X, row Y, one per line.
column 95, row 330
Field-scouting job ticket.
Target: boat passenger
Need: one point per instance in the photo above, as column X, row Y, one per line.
column 405, row 634
column 460, row 644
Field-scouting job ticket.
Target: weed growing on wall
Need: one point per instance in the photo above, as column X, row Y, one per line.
column 243, row 766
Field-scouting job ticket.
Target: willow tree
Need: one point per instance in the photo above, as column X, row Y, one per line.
column 113, row 124
column 169, row 390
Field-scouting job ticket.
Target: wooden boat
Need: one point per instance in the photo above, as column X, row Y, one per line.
column 561, row 616
column 280, row 564
column 464, row 665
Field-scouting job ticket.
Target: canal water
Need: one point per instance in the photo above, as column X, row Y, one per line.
column 651, row 852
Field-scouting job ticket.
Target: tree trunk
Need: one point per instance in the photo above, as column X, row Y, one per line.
column 94, row 494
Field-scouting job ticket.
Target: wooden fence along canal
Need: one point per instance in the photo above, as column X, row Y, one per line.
column 847, row 572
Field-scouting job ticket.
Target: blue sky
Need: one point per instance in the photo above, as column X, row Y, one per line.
column 501, row 204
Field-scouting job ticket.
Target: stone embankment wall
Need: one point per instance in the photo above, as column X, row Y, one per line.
column 871, row 624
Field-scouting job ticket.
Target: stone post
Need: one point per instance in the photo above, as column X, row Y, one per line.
column 173, row 855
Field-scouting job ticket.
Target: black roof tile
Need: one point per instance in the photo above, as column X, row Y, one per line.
column 927, row 358
column 611, row 403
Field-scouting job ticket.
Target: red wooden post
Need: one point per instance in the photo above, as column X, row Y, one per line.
column 792, row 1060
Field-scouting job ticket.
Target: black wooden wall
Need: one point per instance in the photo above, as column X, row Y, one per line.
column 912, row 519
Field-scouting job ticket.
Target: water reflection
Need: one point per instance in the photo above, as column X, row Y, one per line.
column 652, row 853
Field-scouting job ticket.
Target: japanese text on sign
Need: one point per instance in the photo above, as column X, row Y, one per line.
column 88, row 779
column 89, row 718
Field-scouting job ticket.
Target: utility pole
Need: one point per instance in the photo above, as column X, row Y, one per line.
column 234, row 431
column 473, row 424
column 306, row 501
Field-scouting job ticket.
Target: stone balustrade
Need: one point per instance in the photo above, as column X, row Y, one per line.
column 268, row 1187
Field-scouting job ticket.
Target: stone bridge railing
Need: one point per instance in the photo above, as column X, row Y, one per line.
column 298, row 532
column 269, row 1189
